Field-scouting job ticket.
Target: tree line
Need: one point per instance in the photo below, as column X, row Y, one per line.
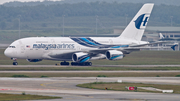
column 48, row 2
column 161, row 13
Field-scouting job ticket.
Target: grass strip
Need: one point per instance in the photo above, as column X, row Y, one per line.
column 15, row 97
column 121, row 86
column 93, row 74
column 58, row 68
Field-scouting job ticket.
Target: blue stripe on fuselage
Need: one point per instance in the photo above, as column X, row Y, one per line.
column 86, row 40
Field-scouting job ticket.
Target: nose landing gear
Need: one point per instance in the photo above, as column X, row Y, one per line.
column 15, row 63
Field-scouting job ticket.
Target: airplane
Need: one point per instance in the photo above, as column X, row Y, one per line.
column 162, row 38
column 81, row 50
column 172, row 41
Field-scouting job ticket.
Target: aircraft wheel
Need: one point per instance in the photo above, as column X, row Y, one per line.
column 73, row 63
column 81, row 64
column 65, row 63
column 15, row 63
column 90, row 64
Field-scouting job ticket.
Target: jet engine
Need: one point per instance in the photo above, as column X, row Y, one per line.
column 80, row 57
column 114, row 55
column 34, row 60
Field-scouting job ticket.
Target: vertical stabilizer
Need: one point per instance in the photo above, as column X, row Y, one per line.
column 161, row 36
column 136, row 27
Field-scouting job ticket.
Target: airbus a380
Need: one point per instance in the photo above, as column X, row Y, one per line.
column 81, row 50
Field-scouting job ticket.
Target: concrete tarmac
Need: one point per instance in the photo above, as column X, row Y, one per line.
column 92, row 66
column 66, row 87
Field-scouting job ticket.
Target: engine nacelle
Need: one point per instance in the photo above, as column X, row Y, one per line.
column 34, row 60
column 114, row 55
column 80, row 57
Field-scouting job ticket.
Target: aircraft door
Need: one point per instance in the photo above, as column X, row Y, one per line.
column 22, row 47
column 110, row 41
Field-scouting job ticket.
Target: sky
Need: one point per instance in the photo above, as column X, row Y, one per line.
column 5, row 1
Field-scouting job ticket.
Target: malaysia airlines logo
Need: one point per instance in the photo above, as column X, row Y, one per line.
column 141, row 21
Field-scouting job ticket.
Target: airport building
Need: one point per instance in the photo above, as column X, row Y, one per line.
column 151, row 34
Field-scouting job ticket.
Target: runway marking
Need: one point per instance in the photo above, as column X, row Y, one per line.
column 86, row 96
column 57, row 88
column 69, row 98
column 6, row 89
column 44, row 84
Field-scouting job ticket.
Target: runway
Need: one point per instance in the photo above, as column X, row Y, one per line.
column 66, row 87
column 92, row 66
column 129, row 71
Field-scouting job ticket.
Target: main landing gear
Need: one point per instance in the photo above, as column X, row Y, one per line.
column 81, row 64
column 15, row 63
column 76, row 64
column 65, row 63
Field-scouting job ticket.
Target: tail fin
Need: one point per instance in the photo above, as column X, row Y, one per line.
column 161, row 36
column 136, row 27
column 174, row 47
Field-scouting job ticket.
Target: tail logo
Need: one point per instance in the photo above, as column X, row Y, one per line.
column 140, row 20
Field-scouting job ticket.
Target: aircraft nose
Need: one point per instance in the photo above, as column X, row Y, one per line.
column 8, row 53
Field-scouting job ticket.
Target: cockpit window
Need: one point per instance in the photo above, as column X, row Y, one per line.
column 12, row 47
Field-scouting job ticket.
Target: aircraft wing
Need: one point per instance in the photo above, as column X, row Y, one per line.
column 126, row 49
column 158, row 42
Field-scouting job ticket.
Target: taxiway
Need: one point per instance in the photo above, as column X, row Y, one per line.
column 66, row 87
column 92, row 66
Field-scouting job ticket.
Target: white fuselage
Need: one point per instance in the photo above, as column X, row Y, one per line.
column 41, row 47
